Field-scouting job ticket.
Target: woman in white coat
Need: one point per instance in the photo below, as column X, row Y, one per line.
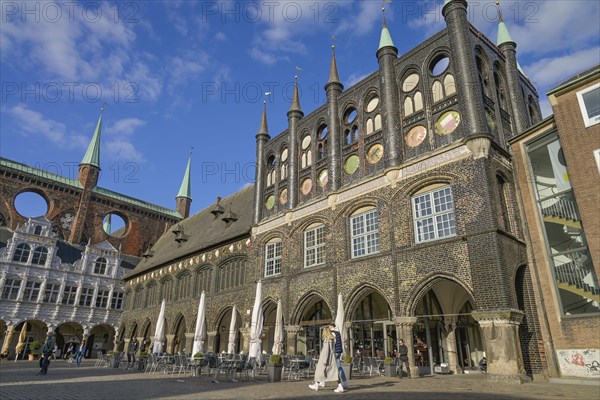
column 326, row 370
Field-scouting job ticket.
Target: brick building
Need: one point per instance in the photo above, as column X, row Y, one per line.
column 557, row 163
column 62, row 271
column 397, row 193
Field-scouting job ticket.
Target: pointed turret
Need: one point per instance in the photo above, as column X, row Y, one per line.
column 262, row 137
column 92, row 155
column 334, row 88
column 296, row 98
column 184, row 197
column 334, row 77
column 387, row 55
column 508, row 48
column 294, row 116
column 385, row 39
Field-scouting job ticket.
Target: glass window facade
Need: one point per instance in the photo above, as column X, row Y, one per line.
column 574, row 275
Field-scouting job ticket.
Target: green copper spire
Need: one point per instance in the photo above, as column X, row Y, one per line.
column 296, row 98
column 385, row 39
column 107, row 224
column 92, row 155
column 333, row 70
column 263, row 121
column 186, row 187
column 503, row 35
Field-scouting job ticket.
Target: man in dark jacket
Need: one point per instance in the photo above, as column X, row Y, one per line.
column 403, row 358
column 339, row 349
column 47, row 351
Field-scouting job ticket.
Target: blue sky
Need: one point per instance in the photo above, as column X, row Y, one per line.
column 177, row 74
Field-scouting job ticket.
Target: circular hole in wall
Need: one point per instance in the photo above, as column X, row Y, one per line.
column 114, row 225
column 31, row 204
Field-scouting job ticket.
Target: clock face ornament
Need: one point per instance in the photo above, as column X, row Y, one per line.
column 306, row 186
column 416, row 135
column 375, row 153
column 67, row 220
column 351, row 164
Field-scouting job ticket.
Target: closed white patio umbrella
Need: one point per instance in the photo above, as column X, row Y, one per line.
column 159, row 332
column 256, row 324
column 200, row 331
column 278, row 339
column 232, row 332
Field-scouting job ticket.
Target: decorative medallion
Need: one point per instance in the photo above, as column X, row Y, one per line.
column 351, row 164
column 447, row 122
column 416, row 135
column 283, row 197
column 284, row 155
column 270, row 202
column 305, row 142
column 372, row 104
column 67, row 220
column 323, row 178
column 375, row 153
column 306, row 186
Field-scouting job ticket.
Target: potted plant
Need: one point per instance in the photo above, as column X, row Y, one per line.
column 198, row 356
column 390, row 367
column 347, row 366
column 143, row 354
column 35, row 347
column 274, row 368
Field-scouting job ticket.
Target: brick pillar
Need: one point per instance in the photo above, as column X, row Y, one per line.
column 210, row 341
column 245, row 332
column 189, row 342
column 168, row 347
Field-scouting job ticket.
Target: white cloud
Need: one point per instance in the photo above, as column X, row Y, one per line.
column 220, row 36
column 33, row 124
column 355, row 78
column 123, row 150
column 125, row 127
column 550, row 71
column 366, row 19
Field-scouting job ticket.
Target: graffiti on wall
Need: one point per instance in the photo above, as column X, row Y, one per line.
column 579, row 362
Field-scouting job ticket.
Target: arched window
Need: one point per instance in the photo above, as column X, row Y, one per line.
column 184, row 285
column 231, row 274
column 504, row 220
column 22, row 252
column 37, row 230
column 306, row 156
column 100, row 266
column 167, row 289
column 40, row 254
column 500, row 90
column 408, row 106
column 449, row 85
column 271, row 170
column 314, row 245
column 283, row 164
column 203, row 280
column 482, row 73
column 322, row 142
column 373, row 118
column 418, row 101
column 437, row 91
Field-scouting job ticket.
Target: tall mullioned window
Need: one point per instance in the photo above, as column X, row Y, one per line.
column 365, row 233
column 22, row 252
column 87, row 294
column 69, row 295
column 40, row 254
column 433, row 214
column 314, row 246
column 273, row 258
column 11, row 289
column 102, row 298
column 51, row 293
column 100, row 266
column 116, row 303
column 570, row 260
column 32, row 291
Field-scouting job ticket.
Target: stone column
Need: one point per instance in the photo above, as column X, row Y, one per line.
column 140, row 340
column 500, row 333
column 292, row 335
column 404, row 330
column 245, row 332
column 210, row 341
column 451, row 349
column 168, row 343
column 189, row 342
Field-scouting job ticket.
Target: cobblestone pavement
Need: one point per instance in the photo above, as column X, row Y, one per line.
column 18, row 381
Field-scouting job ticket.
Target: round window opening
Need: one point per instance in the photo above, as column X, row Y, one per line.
column 439, row 65
column 114, row 225
column 351, row 116
column 31, row 204
column 323, row 132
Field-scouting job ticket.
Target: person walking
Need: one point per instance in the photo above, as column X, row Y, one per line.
column 326, row 370
column 47, row 353
column 403, row 358
column 339, row 349
column 81, row 352
column 133, row 346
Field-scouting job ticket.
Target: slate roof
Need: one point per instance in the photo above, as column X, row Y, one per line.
column 203, row 230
